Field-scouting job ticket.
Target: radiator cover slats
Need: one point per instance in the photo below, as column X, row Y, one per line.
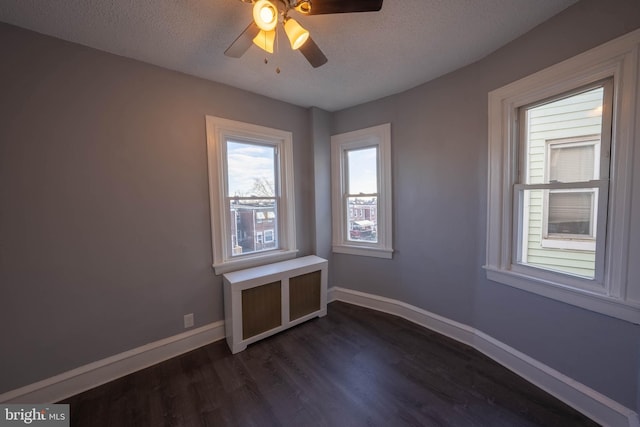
column 304, row 294
column 261, row 309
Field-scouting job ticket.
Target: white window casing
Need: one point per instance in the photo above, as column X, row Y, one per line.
column 380, row 138
column 226, row 258
column 609, row 292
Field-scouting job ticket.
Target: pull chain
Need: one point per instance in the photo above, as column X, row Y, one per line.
column 277, row 49
column 266, row 61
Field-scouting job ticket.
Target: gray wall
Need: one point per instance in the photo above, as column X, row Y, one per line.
column 439, row 145
column 105, row 240
column 320, row 130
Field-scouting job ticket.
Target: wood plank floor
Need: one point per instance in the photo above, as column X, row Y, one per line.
column 354, row 367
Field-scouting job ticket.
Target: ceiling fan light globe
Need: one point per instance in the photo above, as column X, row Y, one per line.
column 265, row 15
column 264, row 40
column 300, row 41
column 296, row 34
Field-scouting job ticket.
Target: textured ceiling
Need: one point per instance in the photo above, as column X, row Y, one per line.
column 371, row 55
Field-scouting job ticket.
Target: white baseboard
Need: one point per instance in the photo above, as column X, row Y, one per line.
column 77, row 380
column 593, row 404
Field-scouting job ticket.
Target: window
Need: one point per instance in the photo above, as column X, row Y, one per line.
column 361, row 186
column 570, row 215
column 560, row 178
column 251, row 187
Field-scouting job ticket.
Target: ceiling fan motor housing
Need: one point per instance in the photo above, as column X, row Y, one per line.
column 303, row 6
column 266, row 15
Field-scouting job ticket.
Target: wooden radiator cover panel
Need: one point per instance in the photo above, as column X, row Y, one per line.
column 261, row 309
column 304, row 294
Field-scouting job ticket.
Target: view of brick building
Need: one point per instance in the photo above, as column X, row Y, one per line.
column 253, row 228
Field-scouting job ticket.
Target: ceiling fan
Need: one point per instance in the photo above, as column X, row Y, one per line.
column 268, row 13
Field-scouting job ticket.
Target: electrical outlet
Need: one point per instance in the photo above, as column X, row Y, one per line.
column 188, row 320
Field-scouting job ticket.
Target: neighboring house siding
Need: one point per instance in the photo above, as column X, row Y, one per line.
column 573, row 117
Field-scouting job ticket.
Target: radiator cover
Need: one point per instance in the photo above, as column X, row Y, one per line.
column 262, row 301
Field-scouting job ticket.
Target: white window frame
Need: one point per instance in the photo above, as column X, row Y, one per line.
column 376, row 136
column 617, row 59
column 219, row 130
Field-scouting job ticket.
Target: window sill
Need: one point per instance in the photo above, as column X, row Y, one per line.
column 254, row 261
column 599, row 303
column 578, row 245
column 386, row 253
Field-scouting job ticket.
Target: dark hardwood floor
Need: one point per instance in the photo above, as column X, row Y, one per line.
column 354, row 367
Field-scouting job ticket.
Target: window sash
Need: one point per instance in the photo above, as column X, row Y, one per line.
column 348, row 185
column 276, row 164
column 349, row 212
column 229, row 240
column 519, row 225
column 604, row 151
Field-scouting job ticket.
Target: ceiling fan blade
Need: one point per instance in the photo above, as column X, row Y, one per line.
column 312, row 52
column 243, row 42
column 324, row 7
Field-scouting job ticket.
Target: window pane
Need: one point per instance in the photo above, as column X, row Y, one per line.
column 363, row 219
column 571, row 259
column 572, row 163
column 268, row 236
column 569, row 128
column 571, row 213
column 362, row 166
column 251, row 170
column 253, row 226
